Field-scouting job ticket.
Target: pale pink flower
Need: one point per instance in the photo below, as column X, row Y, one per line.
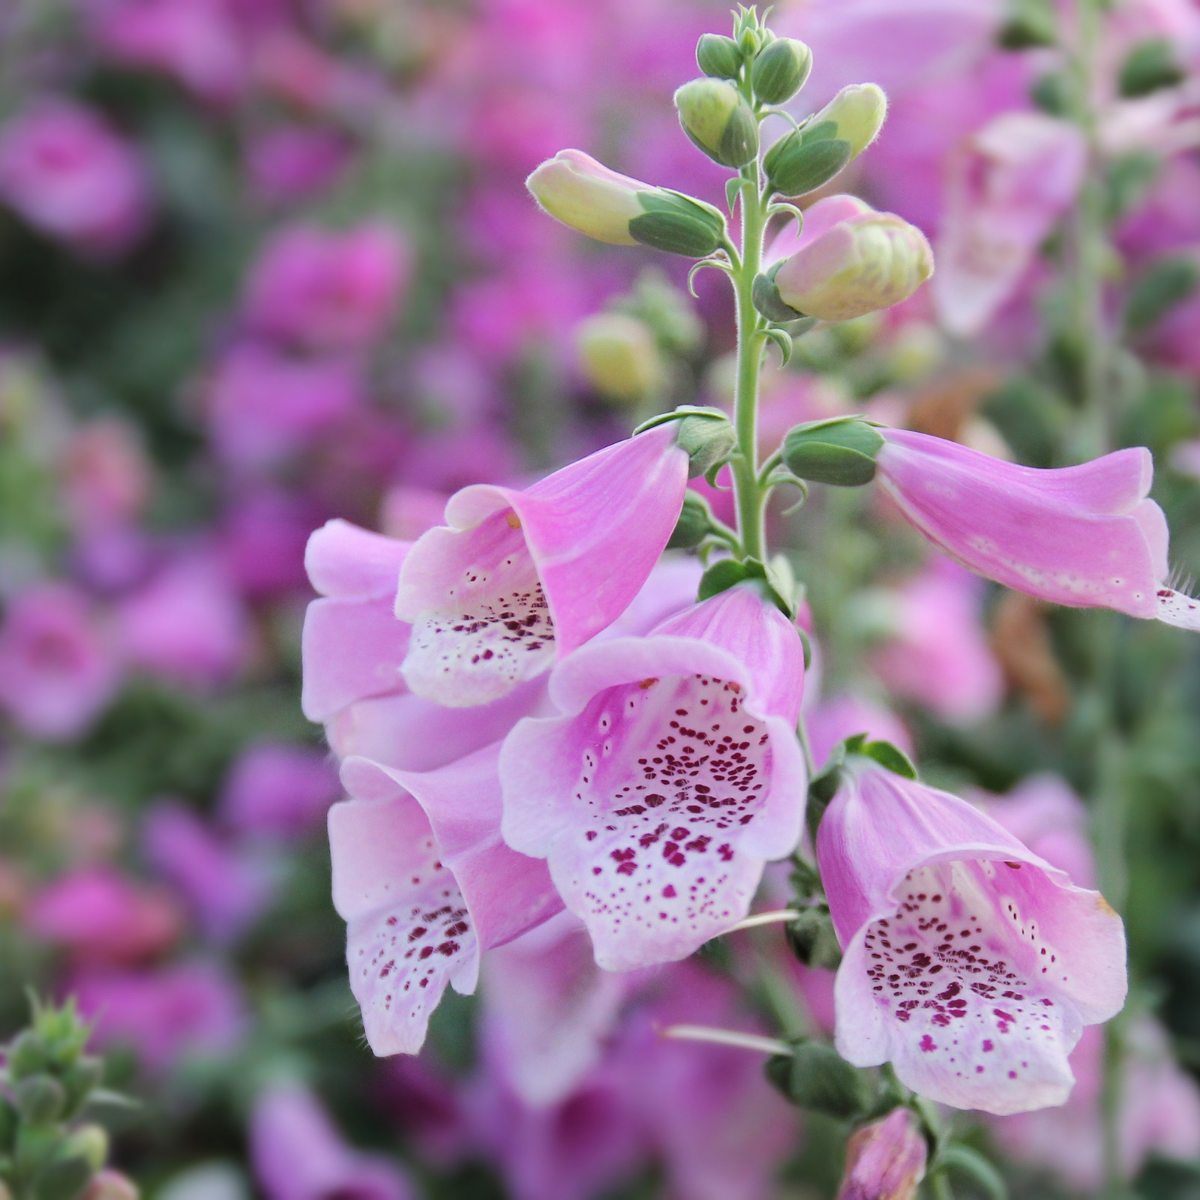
column 278, row 789
column 518, row 578
column 58, row 669
column 970, row 963
column 292, row 163
column 106, row 477
column 71, row 175
column 1084, row 536
column 670, row 774
column 886, row 1159
column 425, row 885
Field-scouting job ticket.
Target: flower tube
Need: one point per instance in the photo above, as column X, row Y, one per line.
column 671, row 774
column 1084, row 536
column 971, row 964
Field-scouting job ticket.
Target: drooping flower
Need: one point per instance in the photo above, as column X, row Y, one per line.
column 425, row 885
column 298, row 1153
column 515, row 578
column 885, row 1160
column 970, row 963
column 1084, row 536
column 671, row 773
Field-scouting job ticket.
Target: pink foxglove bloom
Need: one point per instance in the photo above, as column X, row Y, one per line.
column 298, row 1153
column 1007, row 189
column 886, row 1159
column 57, row 667
column 425, row 885
column 671, row 773
column 327, row 290
column 72, row 176
column 294, row 163
column 970, row 963
column 1083, row 536
column 515, row 578
column 278, row 790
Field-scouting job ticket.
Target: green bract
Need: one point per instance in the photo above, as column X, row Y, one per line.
column 806, row 159
column 677, row 224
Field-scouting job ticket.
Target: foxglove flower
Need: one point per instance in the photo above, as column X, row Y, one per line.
column 670, row 775
column 970, row 963
column 885, row 1160
column 516, row 577
column 1084, row 536
column 425, row 885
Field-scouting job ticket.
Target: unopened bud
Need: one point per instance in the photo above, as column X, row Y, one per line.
column 718, row 56
column 89, row 1142
column 840, row 451
column 867, row 262
column 815, row 1076
column 800, row 162
column 708, row 440
column 717, row 119
column 885, row 1160
column 620, row 357
column 27, row 1055
column 40, row 1099
column 857, row 114
column 584, row 194
column 111, row 1185
column 780, row 70
column 693, row 525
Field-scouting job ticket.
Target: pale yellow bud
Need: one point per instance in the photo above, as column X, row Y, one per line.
column 620, row 357
column 578, row 191
column 858, row 111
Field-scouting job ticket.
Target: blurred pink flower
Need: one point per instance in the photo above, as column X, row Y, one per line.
column 102, row 916
column 195, row 41
column 298, row 1153
column 290, row 164
column 327, row 290
column 186, row 624
column 264, row 406
column 58, row 669
column 188, row 1010
column 278, row 789
column 939, row 656
column 106, row 476
column 71, row 175
column 226, row 887
column 262, row 538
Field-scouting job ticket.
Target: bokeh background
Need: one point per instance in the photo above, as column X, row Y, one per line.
column 268, row 262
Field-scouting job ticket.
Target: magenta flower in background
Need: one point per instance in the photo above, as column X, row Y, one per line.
column 293, row 163
column 518, row 577
column 970, row 963
column 189, row 1010
column 227, row 888
column 327, row 290
column 186, row 623
column 940, row 656
column 58, row 668
column 278, row 790
column 1007, row 187
column 101, row 916
column 425, row 885
column 197, row 42
column 298, row 1153
column 262, row 538
column 1083, row 536
column 669, row 775
column 264, row 407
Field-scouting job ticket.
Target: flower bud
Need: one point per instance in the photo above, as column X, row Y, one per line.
column 857, row 113
column 885, row 1160
column 815, row 1076
column 584, row 194
column 867, row 262
column 89, row 1142
column 27, row 1055
column 708, row 440
column 839, row 452
column 780, row 70
column 802, row 161
column 718, row 121
column 620, row 357
column 693, row 525
column 40, row 1099
column 111, row 1185
column 718, row 56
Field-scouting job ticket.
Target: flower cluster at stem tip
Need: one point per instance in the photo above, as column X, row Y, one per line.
column 535, row 710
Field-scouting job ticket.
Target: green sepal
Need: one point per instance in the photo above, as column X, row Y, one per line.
column 679, row 413
column 1149, row 66
column 1166, row 283
column 806, row 159
column 729, row 572
column 709, row 441
column 840, row 451
column 815, row 1076
column 677, row 224
column 767, row 300
column 63, row 1179
column 718, row 56
column 27, row 1055
column 694, row 524
column 739, row 142
column 891, row 757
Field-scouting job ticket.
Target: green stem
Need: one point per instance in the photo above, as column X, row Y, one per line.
column 939, row 1185
column 747, row 489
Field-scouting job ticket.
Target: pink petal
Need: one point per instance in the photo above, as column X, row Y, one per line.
column 343, row 560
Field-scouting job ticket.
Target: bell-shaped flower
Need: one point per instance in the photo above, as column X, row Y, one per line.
column 515, row 578
column 425, row 884
column 849, row 260
column 971, row 964
column 1084, row 536
column 886, row 1159
column 671, row 773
